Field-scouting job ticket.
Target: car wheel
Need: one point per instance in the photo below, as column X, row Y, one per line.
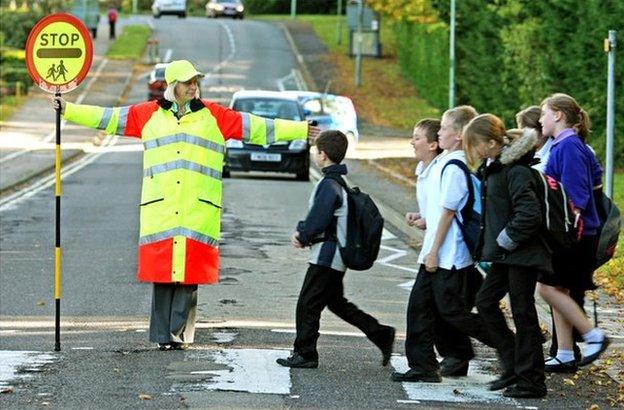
column 157, row 15
column 182, row 16
column 304, row 175
column 226, row 173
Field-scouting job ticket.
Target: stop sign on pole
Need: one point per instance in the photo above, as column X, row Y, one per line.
column 59, row 52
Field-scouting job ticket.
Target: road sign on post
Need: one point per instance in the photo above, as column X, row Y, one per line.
column 59, row 52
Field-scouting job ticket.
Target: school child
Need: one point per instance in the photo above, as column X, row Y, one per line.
column 529, row 118
column 324, row 230
column 509, row 240
column 572, row 163
column 449, row 342
column 437, row 294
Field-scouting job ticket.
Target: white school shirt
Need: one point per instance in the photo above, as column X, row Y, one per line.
column 423, row 175
column 453, row 252
column 543, row 153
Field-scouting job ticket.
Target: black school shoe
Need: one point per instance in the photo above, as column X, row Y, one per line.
column 589, row 359
column 298, row 361
column 165, row 346
column 521, row 391
column 414, row 376
column 453, row 367
column 505, row 380
column 561, row 367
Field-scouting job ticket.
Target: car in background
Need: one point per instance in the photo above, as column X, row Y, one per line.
column 330, row 112
column 170, row 7
column 156, row 83
column 225, row 8
column 282, row 156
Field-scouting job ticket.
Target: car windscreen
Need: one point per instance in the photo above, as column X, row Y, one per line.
column 269, row 108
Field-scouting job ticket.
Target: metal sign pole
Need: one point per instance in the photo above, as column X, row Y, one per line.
column 293, row 8
column 610, row 44
column 57, row 249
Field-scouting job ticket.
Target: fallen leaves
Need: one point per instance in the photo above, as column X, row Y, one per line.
column 145, row 397
column 6, row 390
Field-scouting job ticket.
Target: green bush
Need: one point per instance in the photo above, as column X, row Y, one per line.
column 422, row 51
column 283, row 7
column 15, row 26
column 514, row 53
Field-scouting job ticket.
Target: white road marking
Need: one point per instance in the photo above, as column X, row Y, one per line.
column 250, row 370
column 323, row 332
column 12, row 362
column 12, row 200
column 232, row 45
column 407, row 285
column 470, row 389
column 223, row 336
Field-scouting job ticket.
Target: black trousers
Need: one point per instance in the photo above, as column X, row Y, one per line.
column 438, row 301
column 522, row 352
column 111, row 26
column 322, row 287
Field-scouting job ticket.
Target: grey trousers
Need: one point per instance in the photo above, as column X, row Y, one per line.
column 173, row 313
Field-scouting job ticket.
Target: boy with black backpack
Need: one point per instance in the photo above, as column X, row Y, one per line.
column 446, row 265
column 325, row 231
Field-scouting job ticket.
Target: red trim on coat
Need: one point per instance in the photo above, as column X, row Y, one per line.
column 202, row 263
column 155, row 261
column 229, row 121
column 138, row 116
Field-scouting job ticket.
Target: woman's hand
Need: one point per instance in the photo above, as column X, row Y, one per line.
column 313, row 133
column 421, row 224
column 294, row 240
column 58, row 103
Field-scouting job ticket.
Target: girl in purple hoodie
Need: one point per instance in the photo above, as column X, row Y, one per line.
column 572, row 163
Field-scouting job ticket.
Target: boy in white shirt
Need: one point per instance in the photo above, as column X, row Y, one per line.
column 438, row 294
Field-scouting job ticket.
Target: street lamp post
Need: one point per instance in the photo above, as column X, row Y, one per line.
column 452, row 57
column 610, row 44
column 293, row 8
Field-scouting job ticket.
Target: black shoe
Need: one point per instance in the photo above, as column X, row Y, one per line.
column 414, row 376
column 298, row 361
column 525, row 392
column 505, row 380
column 179, row 346
column 453, row 367
column 386, row 347
column 164, row 346
column 561, row 367
column 604, row 344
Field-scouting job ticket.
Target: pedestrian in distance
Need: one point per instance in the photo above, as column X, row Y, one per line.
column 181, row 200
column 324, row 231
column 509, row 239
column 529, row 118
column 574, row 165
column 112, row 21
column 437, row 298
column 449, row 342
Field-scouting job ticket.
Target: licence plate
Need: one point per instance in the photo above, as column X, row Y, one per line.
column 261, row 156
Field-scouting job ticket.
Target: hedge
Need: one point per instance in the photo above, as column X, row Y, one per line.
column 513, row 53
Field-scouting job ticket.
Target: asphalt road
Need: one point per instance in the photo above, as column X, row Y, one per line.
column 244, row 323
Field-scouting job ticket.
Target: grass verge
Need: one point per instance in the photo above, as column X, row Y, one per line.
column 130, row 44
column 386, row 97
column 9, row 104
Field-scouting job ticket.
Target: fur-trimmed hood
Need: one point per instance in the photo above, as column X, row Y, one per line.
column 520, row 147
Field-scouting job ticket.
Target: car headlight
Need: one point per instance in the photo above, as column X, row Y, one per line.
column 297, row 145
column 234, row 143
column 240, row 9
column 218, row 7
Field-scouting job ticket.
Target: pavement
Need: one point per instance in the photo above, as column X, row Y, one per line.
column 27, row 148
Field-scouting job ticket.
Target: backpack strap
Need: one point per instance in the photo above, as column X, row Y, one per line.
column 471, row 194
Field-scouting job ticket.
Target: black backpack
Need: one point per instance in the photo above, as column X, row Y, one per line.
column 610, row 226
column 470, row 224
column 364, row 228
column 560, row 227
